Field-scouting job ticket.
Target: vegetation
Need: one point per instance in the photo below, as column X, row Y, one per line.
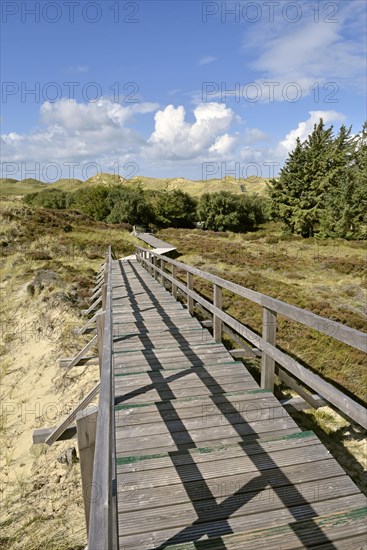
column 323, row 185
column 251, row 185
column 225, row 211
column 175, row 209
column 132, row 205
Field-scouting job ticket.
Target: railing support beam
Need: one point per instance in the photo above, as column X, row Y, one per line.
column 267, row 363
column 174, row 287
column 190, row 286
column 86, row 433
column 217, row 322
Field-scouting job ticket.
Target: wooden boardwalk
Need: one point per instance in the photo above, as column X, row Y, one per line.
column 159, row 246
column 202, row 452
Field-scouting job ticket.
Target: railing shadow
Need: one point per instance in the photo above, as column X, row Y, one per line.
column 212, row 518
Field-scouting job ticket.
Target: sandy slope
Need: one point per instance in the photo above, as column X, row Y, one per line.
column 39, row 494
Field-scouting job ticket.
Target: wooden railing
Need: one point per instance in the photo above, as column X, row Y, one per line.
column 288, row 369
column 102, row 534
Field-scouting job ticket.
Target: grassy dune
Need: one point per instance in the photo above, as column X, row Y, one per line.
column 196, row 188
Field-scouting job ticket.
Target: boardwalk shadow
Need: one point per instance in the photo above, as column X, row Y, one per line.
column 213, row 517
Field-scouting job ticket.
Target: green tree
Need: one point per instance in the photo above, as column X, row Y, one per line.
column 129, row 205
column 345, row 203
column 175, row 209
column 322, row 186
column 50, row 198
column 226, row 211
column 91, row 201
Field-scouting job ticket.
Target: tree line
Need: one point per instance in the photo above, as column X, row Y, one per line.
column 132, row 205
column 322, row 187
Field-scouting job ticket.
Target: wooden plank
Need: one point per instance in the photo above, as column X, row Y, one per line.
column 245, row 352
column 92, row 307
column 295, row 404
column 82, row 352
column 197, row 455
column 40, row 435
column 190, row 286
column 55, row 435
column 269, row 329
column 173, row 279
column 86, row 432
column 95, row 295
column 163, row 480
column 315, row 401
column 344, row 530
column 217, row 323
column 202, row 437
column 88, row 323
column 88, row 360
column 283, row 521
column 236, row 506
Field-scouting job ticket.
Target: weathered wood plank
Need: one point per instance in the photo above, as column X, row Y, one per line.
column 55, row 435
column 40, row 435
column 74, row 362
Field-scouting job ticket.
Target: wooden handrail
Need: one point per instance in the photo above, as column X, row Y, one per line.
column 103, row 523
column 266, row 342
column 343, row 333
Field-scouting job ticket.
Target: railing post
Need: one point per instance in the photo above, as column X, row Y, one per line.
column 174, row 287
column 86, row 421
column 100, row 331
column 267, row 363
column 163, row 268
column 190, row 286
column 104, row 295
column 217, row 322
column 155, row 262
column 151, row 259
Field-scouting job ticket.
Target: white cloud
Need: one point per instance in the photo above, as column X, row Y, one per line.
column 207, row 59
column 173, row 137
column 75, row 131
column 306, row 127
column 253, row 135
column 91, row 116
column 102, row 133
column 307, row 51
column 224, row 145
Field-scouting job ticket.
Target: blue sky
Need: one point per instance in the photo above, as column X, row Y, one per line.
column 140, row 87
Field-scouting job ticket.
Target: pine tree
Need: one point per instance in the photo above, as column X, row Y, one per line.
column 323, row 184
column 285, row 192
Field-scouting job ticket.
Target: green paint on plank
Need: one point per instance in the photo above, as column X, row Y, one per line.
column 181, row 368
column 333, row 520
column 178, row 347
column 207, row 450
column 185, row 399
